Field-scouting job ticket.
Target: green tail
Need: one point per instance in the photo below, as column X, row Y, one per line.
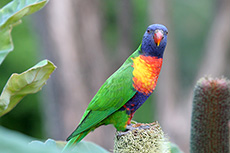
column 75, row 140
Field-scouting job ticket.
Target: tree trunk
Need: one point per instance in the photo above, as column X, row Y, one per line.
column 69, row 91
column 71, row 37
column 125, row 21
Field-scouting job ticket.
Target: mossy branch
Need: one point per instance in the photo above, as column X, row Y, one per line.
column 142, row 138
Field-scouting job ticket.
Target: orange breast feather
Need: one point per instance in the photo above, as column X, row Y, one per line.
column 146, row 72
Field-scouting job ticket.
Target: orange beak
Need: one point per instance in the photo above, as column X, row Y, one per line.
column 158, row 36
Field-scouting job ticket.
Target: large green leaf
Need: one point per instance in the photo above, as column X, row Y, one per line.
column 10, row 15
column 20, row 85
column 81, row 147
column 14, row 142
column 174, row 148
column 87, row 147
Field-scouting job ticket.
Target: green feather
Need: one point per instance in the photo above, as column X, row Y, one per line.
column 112, row 95
column 75, row 140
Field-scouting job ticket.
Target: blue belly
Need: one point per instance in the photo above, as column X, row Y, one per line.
column 135, row 102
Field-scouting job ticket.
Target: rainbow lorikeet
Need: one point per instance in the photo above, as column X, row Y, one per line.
column 126, row 89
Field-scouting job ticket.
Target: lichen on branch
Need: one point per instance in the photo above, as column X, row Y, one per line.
column 142, row 138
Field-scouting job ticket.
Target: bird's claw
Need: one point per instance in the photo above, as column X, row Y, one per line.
column 131, row 127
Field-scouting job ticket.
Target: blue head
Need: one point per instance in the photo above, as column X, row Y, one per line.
column 154, row 40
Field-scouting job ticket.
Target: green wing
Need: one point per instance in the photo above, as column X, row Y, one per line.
column 112, row 95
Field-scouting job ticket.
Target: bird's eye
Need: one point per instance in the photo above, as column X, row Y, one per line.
column 148, row 31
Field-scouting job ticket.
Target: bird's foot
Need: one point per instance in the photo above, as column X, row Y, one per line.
column 140, row 126
column 131, row 127
column 121, row 133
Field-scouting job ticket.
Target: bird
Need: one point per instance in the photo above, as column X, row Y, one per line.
column 127, row 88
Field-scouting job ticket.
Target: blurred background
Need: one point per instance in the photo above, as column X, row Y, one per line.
column 89, row 39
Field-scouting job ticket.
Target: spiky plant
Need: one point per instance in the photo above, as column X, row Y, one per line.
column 210, row 116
